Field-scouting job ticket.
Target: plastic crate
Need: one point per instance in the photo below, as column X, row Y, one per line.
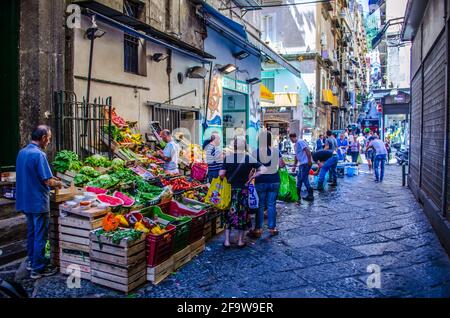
column 160, row 247
column 199, row 218
column 182, row 225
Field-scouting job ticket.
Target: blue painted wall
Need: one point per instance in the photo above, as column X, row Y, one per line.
column 250, row 67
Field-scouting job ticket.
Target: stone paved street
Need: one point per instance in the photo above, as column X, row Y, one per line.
column 323, row 250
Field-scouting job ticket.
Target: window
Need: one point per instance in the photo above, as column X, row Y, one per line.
column 269, row 83
column 268, row 28
column 132, row 9
column 131, row 46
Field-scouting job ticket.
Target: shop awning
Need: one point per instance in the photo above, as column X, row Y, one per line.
column 230, row 29
column 270, row 54
column 238, row 35
column 283, row 100
column 266, row 95
column 142, row 30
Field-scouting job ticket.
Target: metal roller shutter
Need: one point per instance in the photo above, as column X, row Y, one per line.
column 434, row 122
column 416, row 123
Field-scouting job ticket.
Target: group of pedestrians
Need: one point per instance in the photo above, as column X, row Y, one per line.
column 242, row 168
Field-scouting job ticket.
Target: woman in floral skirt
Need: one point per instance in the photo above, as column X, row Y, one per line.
column 240, row 169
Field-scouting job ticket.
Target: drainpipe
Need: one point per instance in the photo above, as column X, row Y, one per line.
column 169, row 72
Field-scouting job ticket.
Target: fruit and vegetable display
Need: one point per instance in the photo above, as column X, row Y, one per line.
column 196, row 194
column 119, row 234
column 180, row 184
column 66, row 160
column 97, row 161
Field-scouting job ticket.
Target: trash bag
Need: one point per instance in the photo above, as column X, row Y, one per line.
column 219, row 193
column 284, row 183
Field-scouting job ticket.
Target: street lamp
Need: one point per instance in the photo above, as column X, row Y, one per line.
column 92, row 33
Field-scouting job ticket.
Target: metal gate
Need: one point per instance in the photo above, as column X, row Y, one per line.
column 168, row 118
column 82, row 127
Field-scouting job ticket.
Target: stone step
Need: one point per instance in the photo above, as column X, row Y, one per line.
column 12, row 252
column 7, row 208
column 13, row 229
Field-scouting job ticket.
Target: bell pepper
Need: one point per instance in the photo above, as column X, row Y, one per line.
column 138, row 226
column 122, row 220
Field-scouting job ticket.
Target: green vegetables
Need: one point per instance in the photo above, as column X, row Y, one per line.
column 66, row 160
column 114, row 133
column 81, row 179
column 146, row 192
column 97, row 161
column 89, row 171
column 144, row 186
column 105, row 181
column 117, row 164
column 118, row 235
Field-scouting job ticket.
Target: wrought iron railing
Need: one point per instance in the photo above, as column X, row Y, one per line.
column 82, row 127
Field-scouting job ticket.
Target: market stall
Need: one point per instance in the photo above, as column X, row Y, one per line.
column 124, row 220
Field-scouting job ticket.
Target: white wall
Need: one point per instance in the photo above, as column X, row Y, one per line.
column 108, row 64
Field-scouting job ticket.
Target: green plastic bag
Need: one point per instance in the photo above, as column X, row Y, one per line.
column 359, row 160
column 293, row 195
column 284, row 183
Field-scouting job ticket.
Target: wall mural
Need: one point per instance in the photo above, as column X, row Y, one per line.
column 215, row 101
column 254, row 119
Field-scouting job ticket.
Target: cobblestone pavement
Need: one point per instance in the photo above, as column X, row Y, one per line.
column 323, row 250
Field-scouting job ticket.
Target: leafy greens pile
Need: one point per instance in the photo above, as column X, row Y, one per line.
column 66, row 160
column 97, row 161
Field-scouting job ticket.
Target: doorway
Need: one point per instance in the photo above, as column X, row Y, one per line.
column 9, row 74
column 235, row 119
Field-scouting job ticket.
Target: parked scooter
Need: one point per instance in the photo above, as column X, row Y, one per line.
column 402, row 156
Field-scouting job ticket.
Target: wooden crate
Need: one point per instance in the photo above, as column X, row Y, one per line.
column 119, row 266
column 65, row 194
column 197, row 247
column 160, row 272
column 66, row 268
column 182, row 257
column 120, row 278
column 66, row 177
column 74, row 227
column 207, row 230
column 218, row 228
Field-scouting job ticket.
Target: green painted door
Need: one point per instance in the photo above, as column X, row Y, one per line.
column 9, row 79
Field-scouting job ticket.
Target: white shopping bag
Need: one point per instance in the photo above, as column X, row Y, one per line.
column 253, row 200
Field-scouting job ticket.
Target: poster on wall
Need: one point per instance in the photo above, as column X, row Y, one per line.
column 214, row 116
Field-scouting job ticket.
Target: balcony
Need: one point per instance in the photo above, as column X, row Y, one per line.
column 328, row 6
column 329, row 99
column 327, row 57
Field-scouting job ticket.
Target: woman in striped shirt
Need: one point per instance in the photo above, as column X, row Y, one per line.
column 214, row 155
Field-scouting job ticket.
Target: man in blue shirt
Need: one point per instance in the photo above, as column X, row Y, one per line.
column 304, row 160
column 319, row 143
column 33, row 181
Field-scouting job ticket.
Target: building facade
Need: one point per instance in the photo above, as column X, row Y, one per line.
column 328, row 46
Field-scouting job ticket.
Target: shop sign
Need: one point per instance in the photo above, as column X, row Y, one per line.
column 266, row 95
column 232, row 84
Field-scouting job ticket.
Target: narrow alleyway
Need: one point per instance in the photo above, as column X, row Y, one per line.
column 323, row 250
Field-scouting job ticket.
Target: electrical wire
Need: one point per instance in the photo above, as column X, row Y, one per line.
column 279, row 5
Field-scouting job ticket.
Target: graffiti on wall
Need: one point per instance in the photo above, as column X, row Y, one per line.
column 254, row 119
column 215, row 101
